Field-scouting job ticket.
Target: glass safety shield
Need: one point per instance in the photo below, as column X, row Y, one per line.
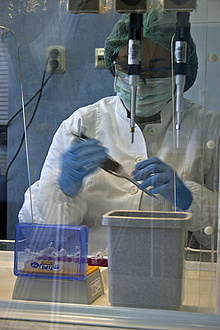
column 94, row 222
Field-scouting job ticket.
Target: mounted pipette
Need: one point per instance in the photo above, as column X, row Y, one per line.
column 134, row 63
column 182, row 35
column 180, row 67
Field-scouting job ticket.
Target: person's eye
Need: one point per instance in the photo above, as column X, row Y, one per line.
column 160, row 72
column 122, row 67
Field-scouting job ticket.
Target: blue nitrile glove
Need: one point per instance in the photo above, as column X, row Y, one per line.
column 82, row 159
column 153, row 172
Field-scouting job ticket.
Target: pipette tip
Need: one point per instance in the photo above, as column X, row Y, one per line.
column 132, row 136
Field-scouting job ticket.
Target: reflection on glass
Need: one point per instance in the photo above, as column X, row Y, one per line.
column 142, row 252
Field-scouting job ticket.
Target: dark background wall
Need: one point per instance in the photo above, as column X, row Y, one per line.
column 37, row 25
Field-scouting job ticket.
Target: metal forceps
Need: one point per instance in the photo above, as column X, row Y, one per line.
column 113, row 167
column 110, row 165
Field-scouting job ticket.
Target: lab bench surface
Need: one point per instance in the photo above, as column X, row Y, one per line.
column 199, row 288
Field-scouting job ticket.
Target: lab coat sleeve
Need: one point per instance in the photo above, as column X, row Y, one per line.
column 49, row 203
column 204, row 207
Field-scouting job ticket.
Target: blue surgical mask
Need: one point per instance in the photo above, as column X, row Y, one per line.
column 151, row 97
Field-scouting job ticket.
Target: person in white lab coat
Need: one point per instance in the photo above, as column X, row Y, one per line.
column 73, row 188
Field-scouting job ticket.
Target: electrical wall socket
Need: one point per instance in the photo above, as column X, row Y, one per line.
column 135, row 6
column 99, row 58
column 84, row 6
column 179, row 5
column 56, row 59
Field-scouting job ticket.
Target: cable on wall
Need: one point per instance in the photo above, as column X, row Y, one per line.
column 32, row 117
column 24, row 121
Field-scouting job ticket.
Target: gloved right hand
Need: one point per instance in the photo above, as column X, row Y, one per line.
column 82, row 159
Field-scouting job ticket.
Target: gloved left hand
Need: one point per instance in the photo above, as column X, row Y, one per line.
column 153, row 172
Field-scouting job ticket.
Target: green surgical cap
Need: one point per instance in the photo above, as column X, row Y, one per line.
column 160, row 27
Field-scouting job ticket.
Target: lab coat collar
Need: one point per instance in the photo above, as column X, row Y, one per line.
column 121, row 109
column 166, row 113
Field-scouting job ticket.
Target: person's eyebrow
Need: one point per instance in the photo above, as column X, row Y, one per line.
column 123, row 57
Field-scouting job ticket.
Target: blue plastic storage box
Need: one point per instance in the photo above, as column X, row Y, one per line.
column 51, row 251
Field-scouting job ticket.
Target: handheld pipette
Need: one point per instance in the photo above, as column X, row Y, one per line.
column 134, row 63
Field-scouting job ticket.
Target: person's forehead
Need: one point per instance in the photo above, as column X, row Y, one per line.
column 149, row 49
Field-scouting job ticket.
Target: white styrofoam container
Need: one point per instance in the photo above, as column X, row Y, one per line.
column 145, row 257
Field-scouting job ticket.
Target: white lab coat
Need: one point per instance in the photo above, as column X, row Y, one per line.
column 106, row 120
